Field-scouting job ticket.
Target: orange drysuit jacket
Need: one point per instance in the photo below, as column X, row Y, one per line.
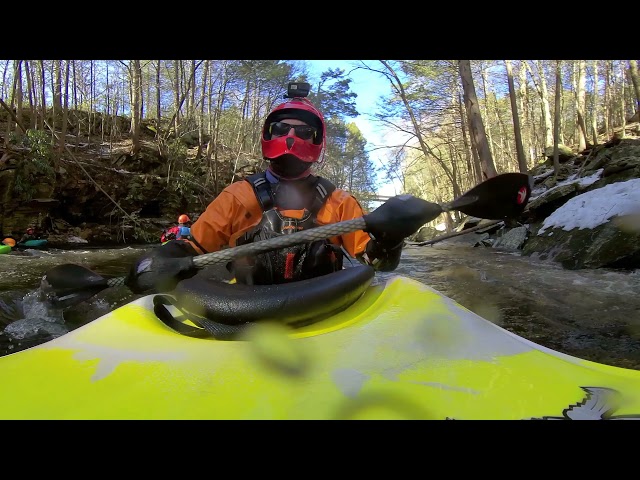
column 237, row 210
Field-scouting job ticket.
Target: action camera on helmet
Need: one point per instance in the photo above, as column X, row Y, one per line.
column 297, row 90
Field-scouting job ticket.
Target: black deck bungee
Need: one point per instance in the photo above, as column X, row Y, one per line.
column 223, row 309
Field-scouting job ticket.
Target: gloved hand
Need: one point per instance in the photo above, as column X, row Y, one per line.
column 162, row 268
column 399, row 217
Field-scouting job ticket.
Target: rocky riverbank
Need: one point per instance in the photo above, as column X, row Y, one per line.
column 586, row 217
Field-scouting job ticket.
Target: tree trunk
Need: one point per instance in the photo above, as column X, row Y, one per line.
column 623, row 104
column 176, row 96
column 158, row 96
column 478, row 136
column 607, row 99
column 205, row 76
column 594, row 104
column 472, row 161
column 57, row 93
column 28, row 70
column 65, row 107
column 633, row 72
column 522, row 161
column 18, row 90
column 580, row 104
column 541, row 87
column 556, row 122
column 135, row 71
column 529, row 130
column 487, row 115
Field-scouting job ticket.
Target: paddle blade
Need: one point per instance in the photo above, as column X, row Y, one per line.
column 501, row 197
column 70, row 284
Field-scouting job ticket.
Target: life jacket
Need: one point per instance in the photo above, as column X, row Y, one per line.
column 176, row 233
column 287, row 207
column 183, row 233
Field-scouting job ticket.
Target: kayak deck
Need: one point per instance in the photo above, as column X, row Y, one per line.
column 402, row 351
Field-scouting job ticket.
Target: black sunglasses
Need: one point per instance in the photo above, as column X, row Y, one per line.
column 280, row 129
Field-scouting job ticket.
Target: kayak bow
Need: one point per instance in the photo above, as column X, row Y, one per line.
column 401, row 350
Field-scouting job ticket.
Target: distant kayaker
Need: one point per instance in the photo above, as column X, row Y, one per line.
column 182, row 231
column 285, row 198
column 30, row 234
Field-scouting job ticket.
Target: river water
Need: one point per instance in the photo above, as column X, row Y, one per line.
column 591, row 314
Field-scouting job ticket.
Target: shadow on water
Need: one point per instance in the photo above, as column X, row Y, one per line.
column 591, row 314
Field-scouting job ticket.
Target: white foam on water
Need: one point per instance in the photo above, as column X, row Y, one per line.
column 37, row 319
column 74, row 239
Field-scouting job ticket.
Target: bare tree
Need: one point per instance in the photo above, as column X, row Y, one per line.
column 623, row 103
column 203, row 102
column 522, row 161
column 633, row 73
column 158, row 95
column 57, row 92
column 18, row 91
column 540, row 84
column 428, row 152
column 485, row 93
column 478, row 137
column 43, row 99
column 556, row 121
column 529, row 130
column 134, row 69
column 470, row 152
column 580, row 95
column 608, row 121
column 65, row 107
column 594, row 104
column 28, row 70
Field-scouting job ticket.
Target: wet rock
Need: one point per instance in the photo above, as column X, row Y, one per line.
column 513, row 239
column 604, row 246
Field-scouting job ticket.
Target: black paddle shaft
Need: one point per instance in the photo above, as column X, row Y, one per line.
column 304, row 236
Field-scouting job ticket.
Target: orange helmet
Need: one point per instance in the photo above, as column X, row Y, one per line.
column 302, row 109
column 183, row 218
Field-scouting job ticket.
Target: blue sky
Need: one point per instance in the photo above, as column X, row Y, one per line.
column 369, row 86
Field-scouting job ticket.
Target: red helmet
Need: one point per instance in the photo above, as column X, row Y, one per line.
column 183, row 218
column 301, row 109
column 30, row 231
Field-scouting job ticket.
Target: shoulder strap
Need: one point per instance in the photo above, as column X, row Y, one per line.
column 323, row 189
column 262, row 188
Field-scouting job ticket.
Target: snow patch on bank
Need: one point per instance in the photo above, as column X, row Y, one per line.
column 596, row 207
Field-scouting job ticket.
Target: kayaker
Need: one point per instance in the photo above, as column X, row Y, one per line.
column 29, row 235
column 285, row 198
column 178, row 232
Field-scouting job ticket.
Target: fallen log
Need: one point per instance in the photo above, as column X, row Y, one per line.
column 454, row 234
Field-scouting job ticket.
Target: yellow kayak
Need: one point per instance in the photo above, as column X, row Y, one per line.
column 396, row 350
